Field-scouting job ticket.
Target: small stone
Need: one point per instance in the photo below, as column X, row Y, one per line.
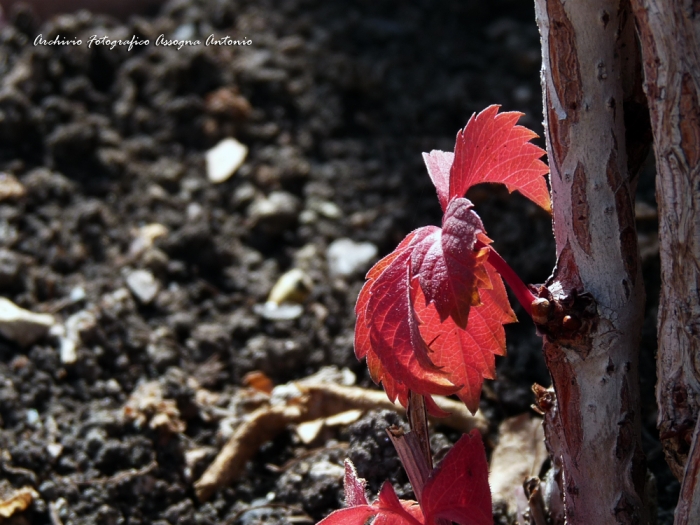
column 325, row 208
column 32, row 416
column 155, row 260
column 112, row 386
column 10, row 187
column 22, row 326
column 329, row 210
column 244, row 194
column 224, row 159
column 77, row 294
column 184, row 32
column 293, row 286
column 194, row 211
column 274, row 213
column 143, row 285
column 347, row 257
column 278, row 312
column 54, row 450
column 145, row 236
column 308, row 217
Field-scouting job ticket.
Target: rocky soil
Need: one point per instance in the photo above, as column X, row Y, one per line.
column 155, row 278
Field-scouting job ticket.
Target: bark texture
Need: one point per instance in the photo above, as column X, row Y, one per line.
column 592, row 423
column 669, row 32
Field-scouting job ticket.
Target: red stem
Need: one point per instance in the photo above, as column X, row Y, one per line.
column 519, row 288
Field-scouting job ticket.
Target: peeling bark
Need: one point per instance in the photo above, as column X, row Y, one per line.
column 669, row 32
column 592, row 423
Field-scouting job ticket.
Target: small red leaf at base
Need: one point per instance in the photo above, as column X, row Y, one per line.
column 458, row 488
column 354, row 487
column 350, row 516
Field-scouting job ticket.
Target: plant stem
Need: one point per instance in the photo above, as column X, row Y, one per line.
column 519, row 288
column 418, row 421
column 412, row 458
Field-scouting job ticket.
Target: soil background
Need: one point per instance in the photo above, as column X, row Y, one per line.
column 336, row 101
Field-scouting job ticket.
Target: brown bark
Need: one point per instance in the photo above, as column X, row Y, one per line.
column 669, row 32
column 592, row 423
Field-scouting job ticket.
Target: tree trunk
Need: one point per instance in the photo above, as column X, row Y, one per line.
column 669, row 32
column 596, row 295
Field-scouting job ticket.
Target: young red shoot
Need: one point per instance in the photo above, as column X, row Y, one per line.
column 457, row 490
column 430, row 316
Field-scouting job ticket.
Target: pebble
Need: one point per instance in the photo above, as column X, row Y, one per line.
column 327, row 209
column 194, row 211
column 293, row 286
column 22, row 326
column 32, row 416
column 278, row 312
column 347, row 257
column 143, row 285
column 145, row 236
column 274, row 213
column 184, row 32
column 224, row 159
column 10, row 187
column 308, row 217
column 54, row 450
column 77, row 294
column 244, row 194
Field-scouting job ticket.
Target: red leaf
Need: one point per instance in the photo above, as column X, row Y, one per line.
column 492, row 148
column 411, row 509
column 350, row 516
column 446, row 265
column 458, row 488
column 394, row 511
column 439, row 164
column 430, row 317
column 387, row 327
column 362, row 344
column 469, row 355
column 354, row 487
column 387, row 509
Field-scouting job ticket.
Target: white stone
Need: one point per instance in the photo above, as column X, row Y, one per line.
column 22, row 326
column 347, row 257
column 293, row 287
column 54, row 450
column 32, row 416
column 224, row 159
column 77, row 294
column 278, row 312
column 145, row 236
column 143, row 285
